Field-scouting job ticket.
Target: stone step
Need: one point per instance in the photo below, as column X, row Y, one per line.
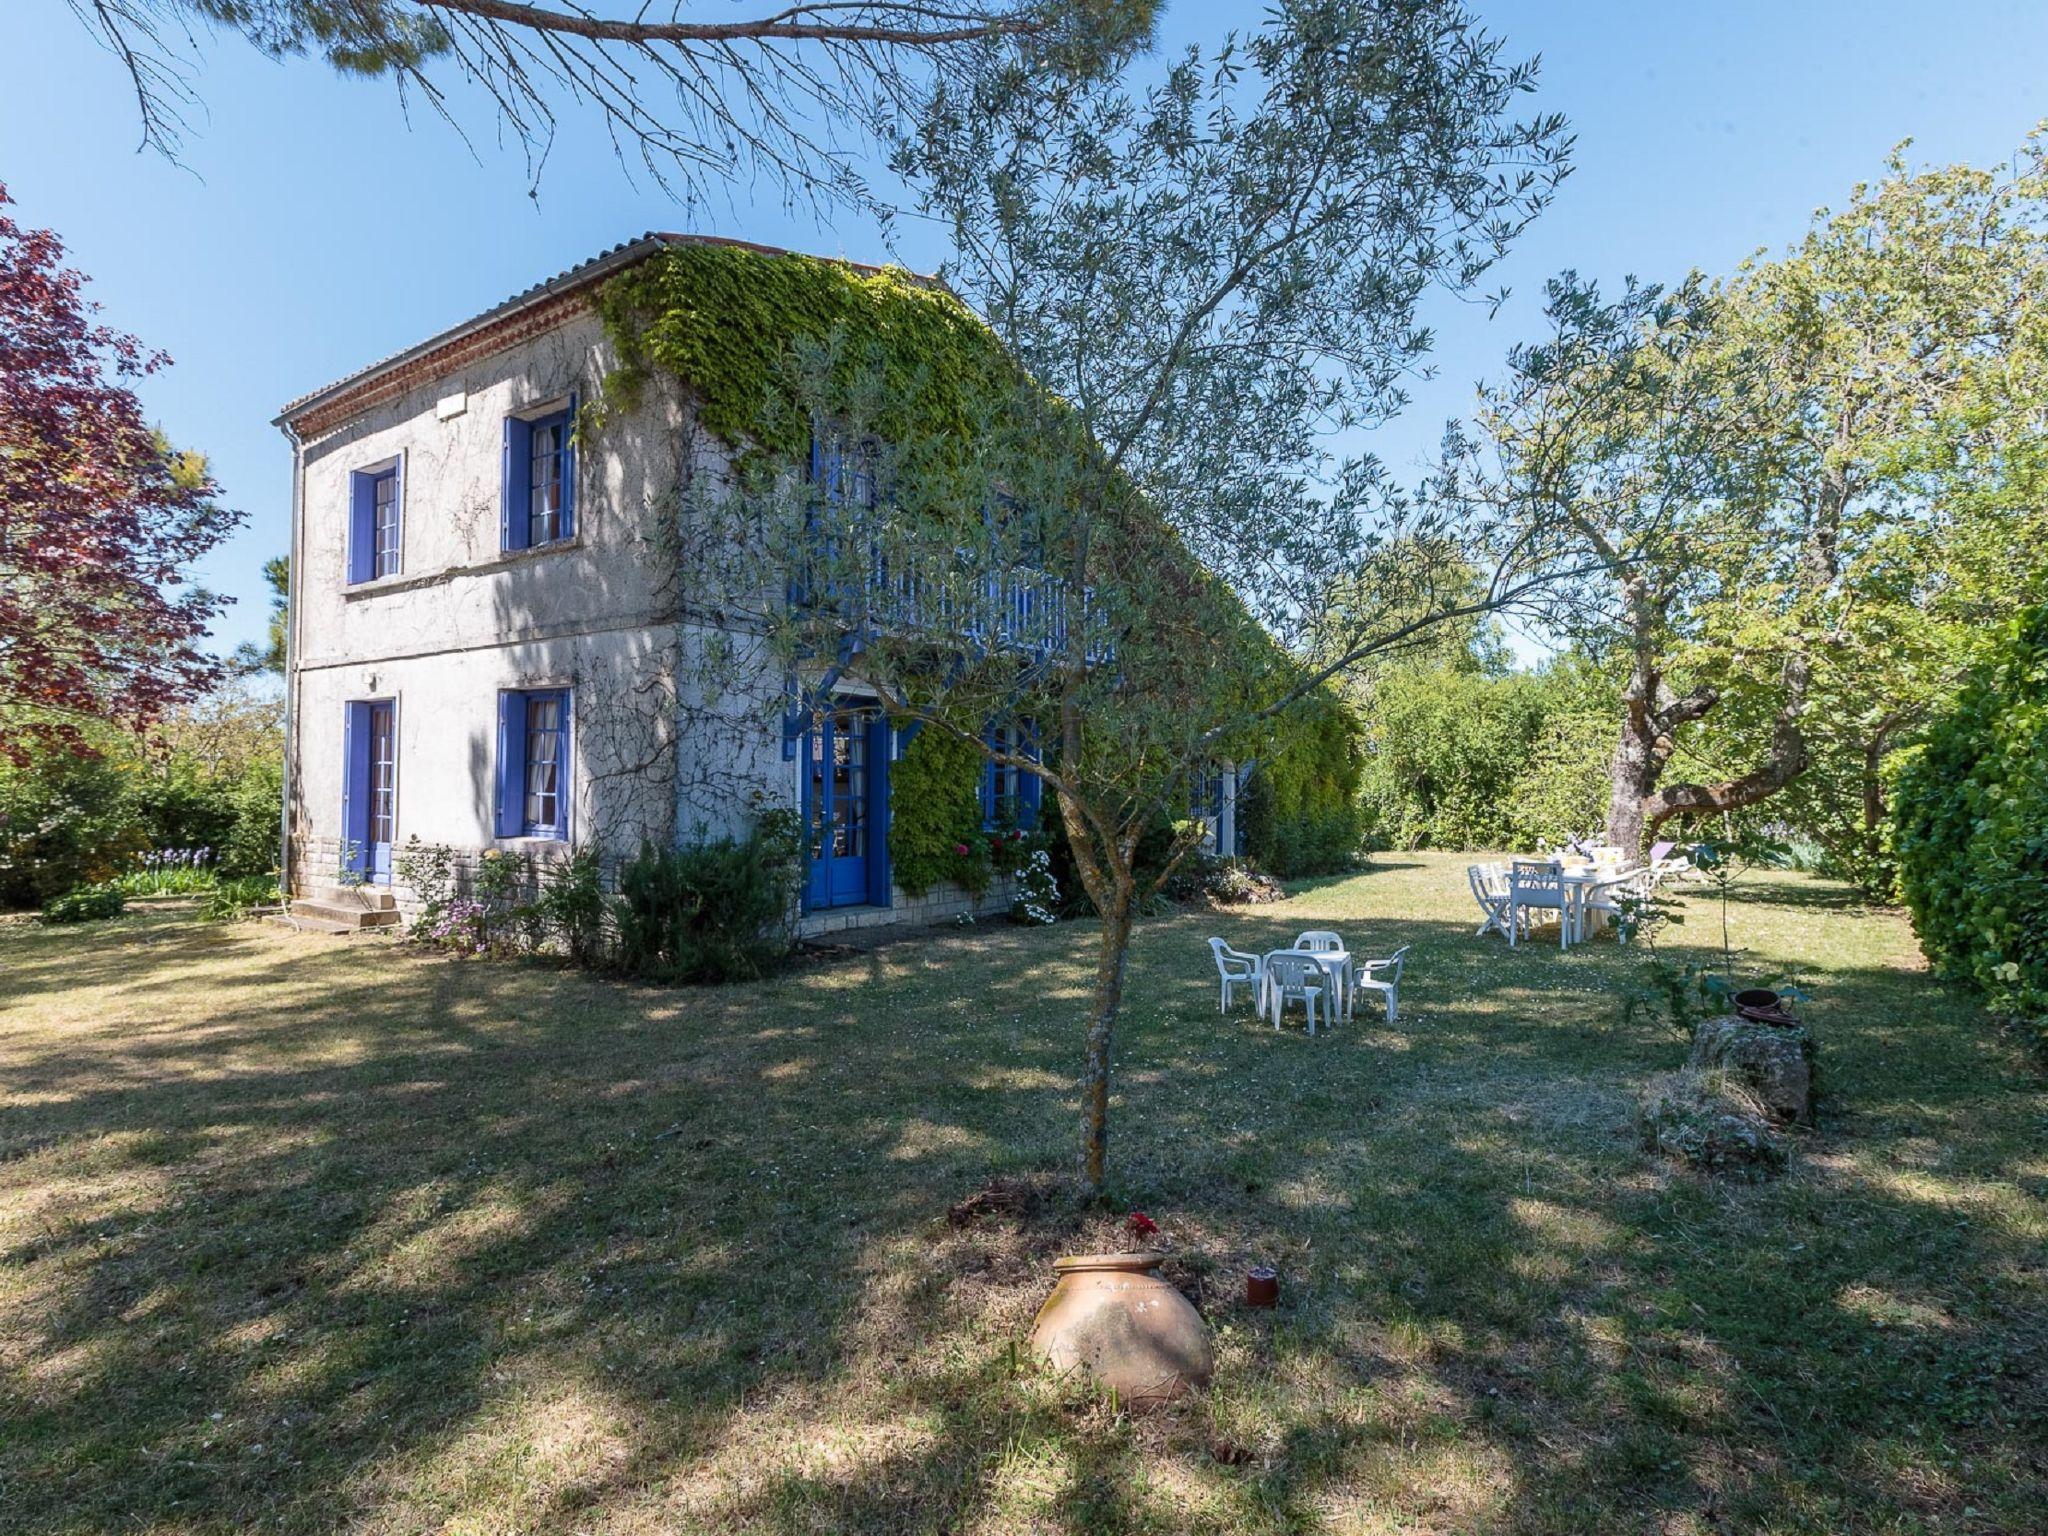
column 312, row 924
column 345, row 913
column 374, row 898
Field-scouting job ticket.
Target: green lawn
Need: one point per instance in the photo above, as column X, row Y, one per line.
column 308, row 1236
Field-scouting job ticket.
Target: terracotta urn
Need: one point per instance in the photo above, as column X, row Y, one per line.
column 1113, row 1317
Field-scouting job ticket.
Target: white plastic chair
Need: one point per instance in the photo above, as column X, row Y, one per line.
column 1538, row 887
column 1490, row 890
column 1234, row 969
column 1366, row 975
column 1319, row 941
column 1290, row 976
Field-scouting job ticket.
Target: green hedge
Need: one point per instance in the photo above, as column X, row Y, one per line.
column 1970, row 813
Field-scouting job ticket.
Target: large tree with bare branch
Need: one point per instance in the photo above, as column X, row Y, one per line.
column 698, row 96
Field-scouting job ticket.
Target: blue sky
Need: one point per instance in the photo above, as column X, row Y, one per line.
column 312, row 229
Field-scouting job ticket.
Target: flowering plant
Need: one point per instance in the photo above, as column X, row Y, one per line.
column 1037, row 902
column 1141, row 1226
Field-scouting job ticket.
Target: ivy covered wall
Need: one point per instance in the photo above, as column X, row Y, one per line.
column 721, row 320
column 1300, row 809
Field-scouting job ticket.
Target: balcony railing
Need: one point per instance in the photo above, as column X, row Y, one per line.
column 1020, row 611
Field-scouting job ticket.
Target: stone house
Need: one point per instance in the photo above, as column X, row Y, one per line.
column 483, row 636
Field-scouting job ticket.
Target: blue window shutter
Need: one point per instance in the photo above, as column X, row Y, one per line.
column 989, row 770
column 511, row 778
column 881, row 885
column 514, row 521
column 362, row 527
column 569, row 470
column 355, row 787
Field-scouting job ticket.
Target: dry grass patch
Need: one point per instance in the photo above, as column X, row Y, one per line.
column 308, row 1237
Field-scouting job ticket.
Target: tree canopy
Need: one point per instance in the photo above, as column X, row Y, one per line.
column 101, row 520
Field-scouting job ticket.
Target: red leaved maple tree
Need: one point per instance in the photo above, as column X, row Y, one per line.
column 100, row 518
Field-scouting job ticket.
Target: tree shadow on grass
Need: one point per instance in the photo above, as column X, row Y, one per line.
column 398, row 1222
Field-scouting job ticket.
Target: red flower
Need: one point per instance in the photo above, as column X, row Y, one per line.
column 1141, row 1225
column 961, row 849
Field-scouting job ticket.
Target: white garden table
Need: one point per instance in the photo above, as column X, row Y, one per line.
column 1335, row 964
column 1586, row 883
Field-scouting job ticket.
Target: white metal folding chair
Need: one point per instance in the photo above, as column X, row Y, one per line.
column 1290, row 976
column 1490, row 890
column 1234, row 969
column 1535, row 886
column 1383, row 977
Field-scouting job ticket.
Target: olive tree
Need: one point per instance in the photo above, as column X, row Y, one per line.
column 1135, row 532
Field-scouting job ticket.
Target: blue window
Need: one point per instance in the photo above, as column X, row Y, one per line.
column 376, row 522
column 533, row 763
column 1010, row 793
column 539, row 493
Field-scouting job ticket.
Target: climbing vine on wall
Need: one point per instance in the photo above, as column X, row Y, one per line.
column 724, row 322
column 935, row 814
column 722, row 319
column 1301, row 812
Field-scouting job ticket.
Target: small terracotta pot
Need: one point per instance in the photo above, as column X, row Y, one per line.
column 1262, row 1287
column 1113, row 1317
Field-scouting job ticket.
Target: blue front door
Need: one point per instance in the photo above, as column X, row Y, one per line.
column 369, row 796
column 846, row 773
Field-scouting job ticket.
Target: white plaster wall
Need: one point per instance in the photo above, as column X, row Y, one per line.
column 676, row 726
column 463, row 620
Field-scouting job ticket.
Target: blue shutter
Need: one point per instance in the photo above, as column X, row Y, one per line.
column 514, row 522
column 989, row 771
column 881, row 885
column 569, row 470
column 348, row 778
column 511, row 775
column 362, row 527
column 355, row 787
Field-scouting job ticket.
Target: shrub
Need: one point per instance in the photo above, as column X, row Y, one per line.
column 1970, row 814
column 89, row 903
column 1462, row 758
column 235, row 897
column 171, row 872
column 65, row 821
column 571, row 907
column 719, row 909
column 1038, row 891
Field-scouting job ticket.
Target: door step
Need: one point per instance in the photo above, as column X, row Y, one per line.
column 324, row 916
column 370, row 898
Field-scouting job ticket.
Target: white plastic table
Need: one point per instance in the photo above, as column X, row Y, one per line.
column 1335, row 964
column 1584, row 884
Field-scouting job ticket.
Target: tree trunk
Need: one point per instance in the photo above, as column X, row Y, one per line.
column 1632, row 777
column 1104, row 1003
